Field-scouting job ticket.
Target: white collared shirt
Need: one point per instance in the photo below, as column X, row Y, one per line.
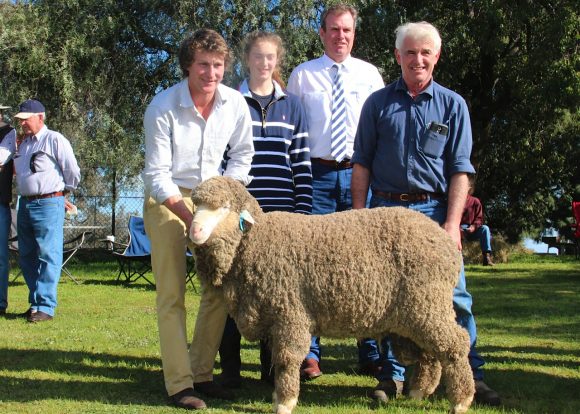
column 45, row 163
column 312, row 81
column 182, row 149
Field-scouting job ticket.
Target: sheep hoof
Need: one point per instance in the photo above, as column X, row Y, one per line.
column 459, row 408
column 417, row 394
column 286, row 408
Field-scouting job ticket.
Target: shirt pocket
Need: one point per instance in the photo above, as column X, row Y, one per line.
column 41, row 162
column 433, row 143
column 317, row 105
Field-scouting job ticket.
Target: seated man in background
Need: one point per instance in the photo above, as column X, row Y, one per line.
column 472, row 227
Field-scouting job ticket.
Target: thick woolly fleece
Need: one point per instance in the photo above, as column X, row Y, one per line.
column 359, row 273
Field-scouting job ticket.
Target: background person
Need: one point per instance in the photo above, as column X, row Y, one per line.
column 314, row 82
column 8, row 140
column 412, row 149
column 46, row 169
column 281, row 173
column 187, row 130
column 472, row 227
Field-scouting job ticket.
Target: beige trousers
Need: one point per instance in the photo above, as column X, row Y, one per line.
column 181, row 366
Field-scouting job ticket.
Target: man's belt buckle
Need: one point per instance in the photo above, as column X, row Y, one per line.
column 404, row 197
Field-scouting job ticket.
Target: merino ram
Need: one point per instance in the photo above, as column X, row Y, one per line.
column 359, row 273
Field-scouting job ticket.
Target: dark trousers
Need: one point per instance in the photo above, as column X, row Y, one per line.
column 231, row 361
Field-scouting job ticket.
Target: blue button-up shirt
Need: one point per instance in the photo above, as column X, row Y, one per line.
column 414, row 145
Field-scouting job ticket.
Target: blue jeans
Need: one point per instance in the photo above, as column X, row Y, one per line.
column 40, row 238
column 391, row 369
column 5, row 222
column 331, row 193
column 483, row 234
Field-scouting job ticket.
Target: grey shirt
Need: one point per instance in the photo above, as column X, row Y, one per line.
column 45, row 163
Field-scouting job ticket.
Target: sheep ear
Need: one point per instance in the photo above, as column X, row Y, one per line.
column 246, row 220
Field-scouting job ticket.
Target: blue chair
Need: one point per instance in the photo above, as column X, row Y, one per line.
column 135, row 259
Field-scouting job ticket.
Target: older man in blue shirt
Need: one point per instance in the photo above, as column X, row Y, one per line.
column 412, row 148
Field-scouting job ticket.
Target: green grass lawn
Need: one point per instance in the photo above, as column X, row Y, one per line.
column 101, row 353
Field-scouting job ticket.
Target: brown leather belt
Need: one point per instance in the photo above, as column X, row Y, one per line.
column 411, row 198
column 343, row 165
column 49, row 195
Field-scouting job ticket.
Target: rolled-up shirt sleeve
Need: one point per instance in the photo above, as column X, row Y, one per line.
column 68, row 164
column 157, row 174
column 459, row 150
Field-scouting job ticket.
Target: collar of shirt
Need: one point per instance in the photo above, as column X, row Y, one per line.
column 185, row 100
column 346, row 65
column 39, row 134
column 402, row 86
column 245, row 89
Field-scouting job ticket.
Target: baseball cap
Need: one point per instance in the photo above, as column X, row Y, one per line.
column 29, row 108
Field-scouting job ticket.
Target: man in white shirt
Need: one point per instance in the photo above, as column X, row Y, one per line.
column 188, row 127
column 313, row 82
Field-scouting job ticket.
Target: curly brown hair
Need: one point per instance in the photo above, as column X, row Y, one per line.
column 205, row 40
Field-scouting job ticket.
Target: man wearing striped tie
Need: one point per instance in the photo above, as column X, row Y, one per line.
column 332, row 89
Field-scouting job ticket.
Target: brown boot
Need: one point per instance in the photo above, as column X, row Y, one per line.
column 310, row 370
column 487, row 260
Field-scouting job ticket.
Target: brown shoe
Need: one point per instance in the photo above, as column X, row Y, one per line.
column 485, row 395
column 186, row 399
column 310, row 369
column 387, row 390
column 27, row 314
column 487, row 260
column 213, row 390
column 39, row 316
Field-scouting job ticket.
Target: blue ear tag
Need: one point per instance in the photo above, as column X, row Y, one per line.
column 245, row 217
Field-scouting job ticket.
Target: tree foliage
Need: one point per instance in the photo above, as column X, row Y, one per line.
column 96, row 65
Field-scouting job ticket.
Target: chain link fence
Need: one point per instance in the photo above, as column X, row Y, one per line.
column 95, row 213
column 102, row 213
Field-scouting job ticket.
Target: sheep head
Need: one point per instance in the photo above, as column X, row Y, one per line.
column 223, row 211
column 217, row 199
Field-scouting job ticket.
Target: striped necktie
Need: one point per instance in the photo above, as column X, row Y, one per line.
column 338, row 118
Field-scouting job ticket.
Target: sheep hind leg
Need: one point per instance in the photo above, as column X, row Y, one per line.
column 427, row 371
column 286, row 358
column 457, row 374
column 448, row 343
column 426, row 376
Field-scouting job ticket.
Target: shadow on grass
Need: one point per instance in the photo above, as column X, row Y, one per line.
column 113, row 282
column 107, row 378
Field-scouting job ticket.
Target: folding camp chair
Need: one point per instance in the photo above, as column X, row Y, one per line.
column 135, row 258
column 576, row 226
column 70, row 248
column 190, row 274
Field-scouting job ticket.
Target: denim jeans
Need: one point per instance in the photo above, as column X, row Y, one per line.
column 5, row 222
column 331, row 193
column 391, row 369
column 483, row 234
column 40, row 245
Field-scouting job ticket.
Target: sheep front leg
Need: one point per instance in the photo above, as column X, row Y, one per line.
column 288, row 350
